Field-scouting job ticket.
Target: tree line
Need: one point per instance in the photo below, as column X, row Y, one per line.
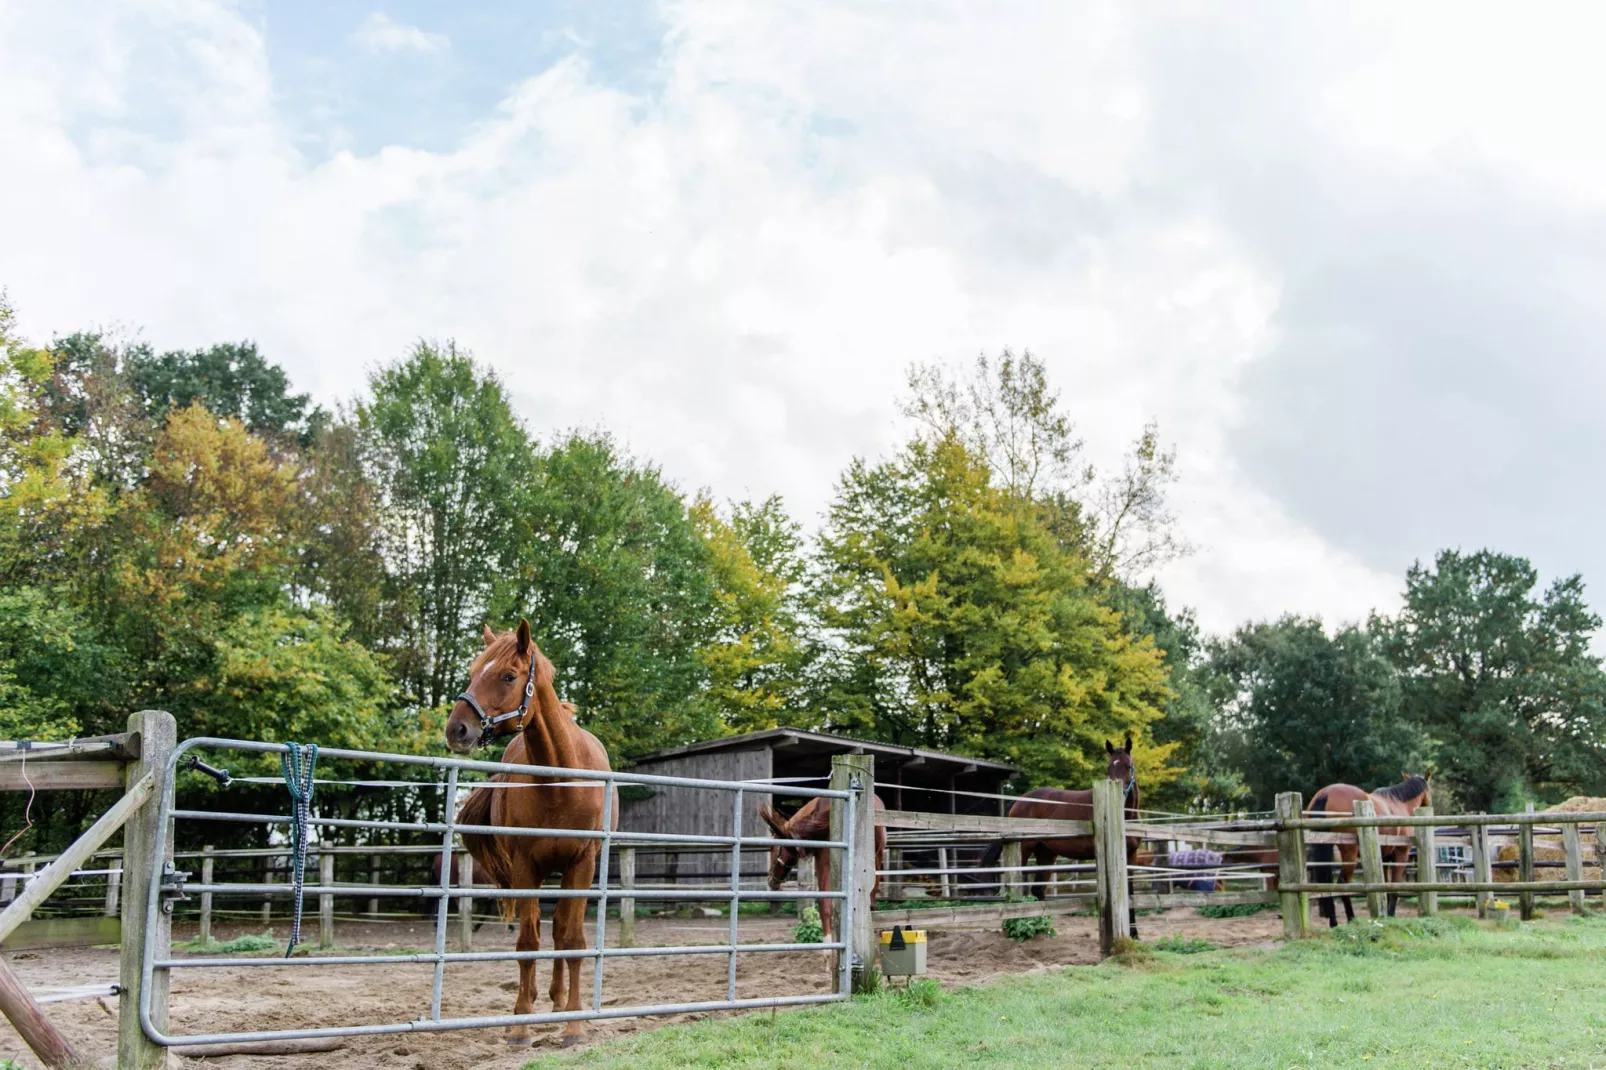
column 182, row 530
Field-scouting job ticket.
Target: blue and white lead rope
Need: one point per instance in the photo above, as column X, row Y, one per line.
column 298, row 764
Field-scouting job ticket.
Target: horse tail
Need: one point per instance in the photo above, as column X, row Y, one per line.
column 488, row 851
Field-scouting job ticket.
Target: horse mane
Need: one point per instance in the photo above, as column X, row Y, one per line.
column 1411, row 788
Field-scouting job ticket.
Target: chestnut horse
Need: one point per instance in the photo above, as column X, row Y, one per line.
column 510, row 691
column 813, row 822
column 1339, row 800
column 1060, row 804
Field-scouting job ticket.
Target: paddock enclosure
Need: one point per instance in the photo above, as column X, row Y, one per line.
column 401, row 954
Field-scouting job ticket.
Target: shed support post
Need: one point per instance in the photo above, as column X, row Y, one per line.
column 1291, row 866
column 158, row 736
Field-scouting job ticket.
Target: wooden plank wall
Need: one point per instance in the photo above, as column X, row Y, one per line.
column 698, row 812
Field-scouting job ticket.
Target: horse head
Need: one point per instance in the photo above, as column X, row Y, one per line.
column 783, row 859
column 501, row 684
column 1424, row 780
column 1120, row 766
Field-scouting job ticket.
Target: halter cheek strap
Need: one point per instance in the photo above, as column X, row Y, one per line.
column 488, row 722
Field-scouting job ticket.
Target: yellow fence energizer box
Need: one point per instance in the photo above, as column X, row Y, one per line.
column 903, row 952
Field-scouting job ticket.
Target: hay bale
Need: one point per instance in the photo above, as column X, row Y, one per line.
column 1550, row 848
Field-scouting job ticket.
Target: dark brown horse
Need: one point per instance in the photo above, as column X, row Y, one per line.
column 510, row 691
column 1061, row 804
column 813, row 822
column 1401, row 800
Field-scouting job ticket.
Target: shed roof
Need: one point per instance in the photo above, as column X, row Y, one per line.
column 801, row 742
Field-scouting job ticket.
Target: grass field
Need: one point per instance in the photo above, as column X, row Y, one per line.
column 1413, row 993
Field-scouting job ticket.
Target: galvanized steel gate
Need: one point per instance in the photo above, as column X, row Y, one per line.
column 164, row 883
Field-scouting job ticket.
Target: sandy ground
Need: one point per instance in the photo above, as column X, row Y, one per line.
column 247, row 998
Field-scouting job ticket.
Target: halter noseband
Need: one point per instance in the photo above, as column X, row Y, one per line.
column 486, row 722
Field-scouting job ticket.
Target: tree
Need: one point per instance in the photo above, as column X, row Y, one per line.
column 956, row 621
column 1208, row 783
column 232, row 380
column 1005, row 413
column 452, row 468
column 615, row 580
column 1299, row 709
column 1502, row 678
column 756, row 655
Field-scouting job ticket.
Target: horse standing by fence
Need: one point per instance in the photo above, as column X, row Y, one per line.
column 1061, row 804
column 547, row 734
column 813, row 822
column 1400, row 800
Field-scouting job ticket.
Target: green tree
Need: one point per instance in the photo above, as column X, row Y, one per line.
column 1208, row 783
column 615, row 580
column 1005, row 413
column 958, row 622
column 1300, row 709
column 452, row 469
column 756, row 656
column 231, row 380
column 1502, row 678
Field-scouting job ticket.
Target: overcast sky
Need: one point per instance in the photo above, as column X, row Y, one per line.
column 1349, row 256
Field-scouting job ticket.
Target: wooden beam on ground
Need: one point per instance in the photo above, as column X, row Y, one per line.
column 55, row 874
column 307, row 1046
column 32, row 1025
column 60, row 776
column 978, row 917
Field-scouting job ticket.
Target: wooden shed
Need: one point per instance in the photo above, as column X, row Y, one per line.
column 907, row 778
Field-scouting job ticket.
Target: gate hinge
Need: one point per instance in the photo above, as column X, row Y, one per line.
column 172, row 890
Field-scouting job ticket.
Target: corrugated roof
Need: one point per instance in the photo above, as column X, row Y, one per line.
column 769, row 736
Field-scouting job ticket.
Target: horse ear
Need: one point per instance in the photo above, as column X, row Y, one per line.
column 490, row 636
column 1108, row 749
column 776, row 823
column 1129, row 742
column 524, row 636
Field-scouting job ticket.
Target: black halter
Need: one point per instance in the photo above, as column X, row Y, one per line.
column 487, row 722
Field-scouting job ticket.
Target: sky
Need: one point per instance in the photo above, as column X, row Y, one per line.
column 1348, row 256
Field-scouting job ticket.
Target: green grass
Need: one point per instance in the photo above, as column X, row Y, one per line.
column 1443, row 992
column 240, row 945
column 1233, row 910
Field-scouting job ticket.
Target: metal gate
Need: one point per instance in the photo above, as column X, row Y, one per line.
column 166, row 884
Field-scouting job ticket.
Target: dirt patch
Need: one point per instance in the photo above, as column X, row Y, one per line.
column 247, row 998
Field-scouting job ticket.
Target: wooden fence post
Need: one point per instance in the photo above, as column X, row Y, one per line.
column 1427, row 864
column 1371, row 858
column 1109, row 846
column 158, row 736
column 627, row 902
column 945, row 882
column 1525, row 866
column 114, row 885
column 1009, row 881
column 1482, row 871
column 206, row 897
column 807, row 881
column 1600, row 850
column 1291, row 865
column 465, row 905
column 267, row 897
column 855, row 772
column 1575, row 864
column 373, row 878
column 326, row 900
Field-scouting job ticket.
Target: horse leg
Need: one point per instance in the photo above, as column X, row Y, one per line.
column 569, row 934
column 1347, row 855
column 1040, row 856
column 822, row 881
column 529, row 912
column 1131, row 860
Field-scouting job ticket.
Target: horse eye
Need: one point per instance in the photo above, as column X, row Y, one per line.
column 507, row 678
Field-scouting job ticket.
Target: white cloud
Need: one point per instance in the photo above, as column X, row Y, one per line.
column 381, row 33
column 733, row 273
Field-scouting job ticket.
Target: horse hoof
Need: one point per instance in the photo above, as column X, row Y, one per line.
column 569, row 1042
column 519, row 1042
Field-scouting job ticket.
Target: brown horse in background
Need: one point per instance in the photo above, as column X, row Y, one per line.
column 1400, row 800
column 1061, row 804
column 510, row 684
column 813, row 822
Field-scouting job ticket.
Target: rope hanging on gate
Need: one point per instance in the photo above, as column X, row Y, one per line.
column 298, row 766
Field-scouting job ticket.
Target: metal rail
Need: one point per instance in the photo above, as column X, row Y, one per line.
column 443, row 892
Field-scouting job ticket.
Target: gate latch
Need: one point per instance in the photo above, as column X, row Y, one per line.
column 172, row 891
